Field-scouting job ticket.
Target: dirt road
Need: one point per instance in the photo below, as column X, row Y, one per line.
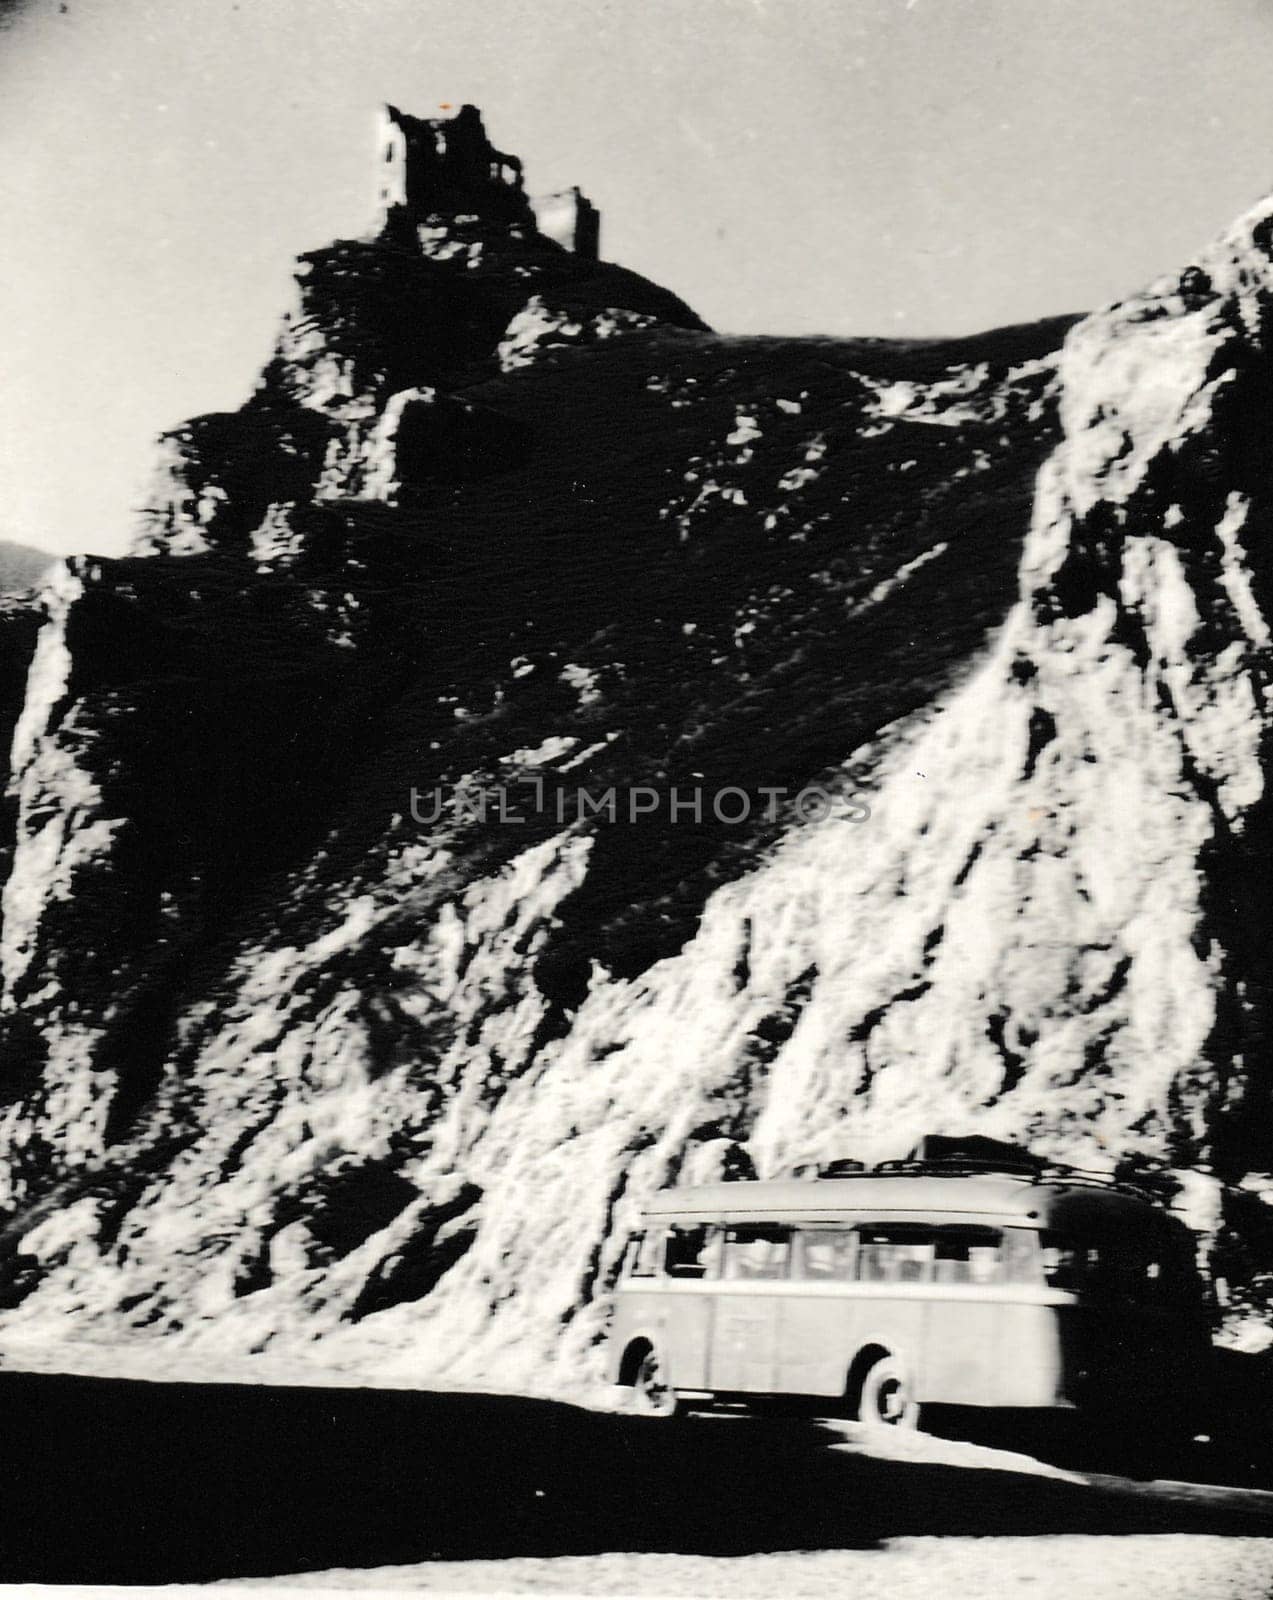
column 1047, row 1567
column 111, row 1481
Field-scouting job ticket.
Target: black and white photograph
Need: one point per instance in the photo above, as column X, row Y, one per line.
column 636, row 826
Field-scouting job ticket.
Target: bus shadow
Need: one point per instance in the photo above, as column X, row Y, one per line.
column 105, row 1481
column 1230, row 1440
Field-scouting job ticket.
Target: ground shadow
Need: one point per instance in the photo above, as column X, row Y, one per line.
column 119, row 1482
column 1222, row 1435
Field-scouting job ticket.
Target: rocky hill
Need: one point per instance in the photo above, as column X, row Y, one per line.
column 541, row 748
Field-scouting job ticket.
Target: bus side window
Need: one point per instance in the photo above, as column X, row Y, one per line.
column 641, row 1258
column 686, row 1254
column 1066, row 1265
column 1134, row 1273
column 1173, row 1279
column 894, row 1255
column 1020, row 1255
column 756, row 1252
column 968, row 1255
column 1140, row 1278
column 827, row 1255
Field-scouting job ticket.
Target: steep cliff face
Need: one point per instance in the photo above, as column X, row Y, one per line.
column 541, row 745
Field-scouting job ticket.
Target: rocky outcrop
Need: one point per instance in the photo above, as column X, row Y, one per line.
column 456, row 286
column 543, row 748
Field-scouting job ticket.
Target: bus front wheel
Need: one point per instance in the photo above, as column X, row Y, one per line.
column 885, row 1398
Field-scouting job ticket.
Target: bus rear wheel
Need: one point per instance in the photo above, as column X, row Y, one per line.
column 885, row 1398
column 649, row 1380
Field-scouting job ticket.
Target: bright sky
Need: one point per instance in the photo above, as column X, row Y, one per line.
column 844, row 166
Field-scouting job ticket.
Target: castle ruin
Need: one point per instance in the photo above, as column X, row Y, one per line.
column 447, row 165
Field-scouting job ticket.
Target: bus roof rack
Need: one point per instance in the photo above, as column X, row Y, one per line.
column 972, row 1152
column 842, row 1168
column 943, row 1155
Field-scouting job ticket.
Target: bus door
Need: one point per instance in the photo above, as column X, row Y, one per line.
column 684, row 1315
column 755, row 1261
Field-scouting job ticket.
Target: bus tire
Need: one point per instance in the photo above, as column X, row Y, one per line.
column 885, row 1398
column 646, row 1374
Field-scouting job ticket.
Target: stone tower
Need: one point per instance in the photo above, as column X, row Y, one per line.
column 571, row 219
column 431, row 166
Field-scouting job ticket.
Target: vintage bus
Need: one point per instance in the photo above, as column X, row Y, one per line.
column 913, row 1284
